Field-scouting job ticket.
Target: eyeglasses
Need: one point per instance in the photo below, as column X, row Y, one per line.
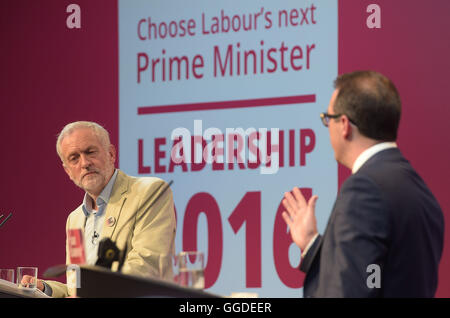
column 325, row 117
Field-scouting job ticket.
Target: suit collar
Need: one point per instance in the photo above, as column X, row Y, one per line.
column 369, row 153
column 387, row 155
column 115, row 204
column 120, row 187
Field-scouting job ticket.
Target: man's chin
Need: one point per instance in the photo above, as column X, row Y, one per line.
column 93, row 186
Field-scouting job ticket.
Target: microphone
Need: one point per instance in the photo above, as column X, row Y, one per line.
column 108, row 252
column 6, row 219
column 95, row 237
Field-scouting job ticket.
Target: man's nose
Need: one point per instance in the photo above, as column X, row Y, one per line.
column 84, row 160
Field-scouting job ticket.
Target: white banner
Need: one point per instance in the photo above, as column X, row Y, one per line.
column 224, row 97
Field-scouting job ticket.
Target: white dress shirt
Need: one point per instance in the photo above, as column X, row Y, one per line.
column 95, row 220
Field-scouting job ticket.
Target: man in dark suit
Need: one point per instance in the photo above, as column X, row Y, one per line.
column 385, row 234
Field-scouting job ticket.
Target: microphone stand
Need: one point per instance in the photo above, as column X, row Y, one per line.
column 6, row 219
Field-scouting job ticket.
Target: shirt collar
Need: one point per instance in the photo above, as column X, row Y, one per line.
column 102, row 199
column 370, row 152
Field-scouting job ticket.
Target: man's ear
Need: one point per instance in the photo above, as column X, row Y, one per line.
column 347, row 129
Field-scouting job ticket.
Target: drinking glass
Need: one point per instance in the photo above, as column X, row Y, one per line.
column 7, row 274
column 191, row 269
column 27, row 277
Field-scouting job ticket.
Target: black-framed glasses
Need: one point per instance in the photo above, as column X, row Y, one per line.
column 325, row 117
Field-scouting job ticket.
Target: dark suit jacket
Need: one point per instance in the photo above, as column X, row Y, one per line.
column 383, row 215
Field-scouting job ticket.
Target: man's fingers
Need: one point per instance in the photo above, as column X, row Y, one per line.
column 286, row 202
column 286, row 218
column 288, row 207
column 299, row 197
column 291, row 201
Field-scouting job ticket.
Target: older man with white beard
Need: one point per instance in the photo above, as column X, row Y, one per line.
column 115, row 206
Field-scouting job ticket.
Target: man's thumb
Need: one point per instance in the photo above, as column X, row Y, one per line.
column 312, row 203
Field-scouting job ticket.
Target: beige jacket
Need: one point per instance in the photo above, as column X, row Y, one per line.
column 150, row 239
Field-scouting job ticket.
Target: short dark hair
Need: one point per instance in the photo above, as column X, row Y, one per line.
column 371, row 101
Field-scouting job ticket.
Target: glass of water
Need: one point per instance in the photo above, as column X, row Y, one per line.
column 7, row 274
column 191, row 269
column 27, row 277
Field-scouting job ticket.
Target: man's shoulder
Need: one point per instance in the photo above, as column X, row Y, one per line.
column 391, row 171
column 386, row 164
column 76, row 216
column 78, row 211
column 145, row 181
column 140, row 183
column 358, row 182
